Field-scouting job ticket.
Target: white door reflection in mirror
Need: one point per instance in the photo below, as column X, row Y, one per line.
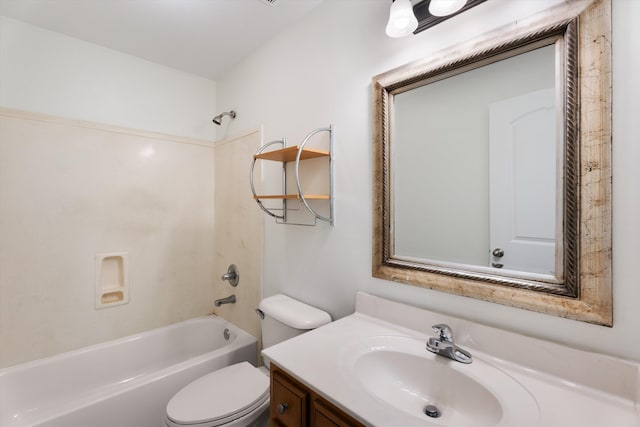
column 522, row 182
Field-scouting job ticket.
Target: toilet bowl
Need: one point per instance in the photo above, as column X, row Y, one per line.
column 238, row 395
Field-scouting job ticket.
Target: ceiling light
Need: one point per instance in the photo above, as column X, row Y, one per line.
column 402, row 21
column 445, row 7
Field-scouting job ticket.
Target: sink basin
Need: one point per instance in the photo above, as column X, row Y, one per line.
column 400, row 373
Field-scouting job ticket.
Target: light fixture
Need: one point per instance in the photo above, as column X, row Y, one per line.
column 402, row 21
column 445, row 7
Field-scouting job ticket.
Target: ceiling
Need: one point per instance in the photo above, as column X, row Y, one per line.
column 202, row 37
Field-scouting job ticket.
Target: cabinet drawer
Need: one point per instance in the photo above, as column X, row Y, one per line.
column 288, row 407
column 324, row 414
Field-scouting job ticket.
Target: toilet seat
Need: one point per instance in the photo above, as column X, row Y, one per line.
column 219, row 397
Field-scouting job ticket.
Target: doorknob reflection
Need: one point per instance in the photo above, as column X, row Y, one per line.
column 498, row 253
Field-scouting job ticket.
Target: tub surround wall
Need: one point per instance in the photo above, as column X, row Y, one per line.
column 239, row 230
column 69, row 191
column 319, row 71
column 100, row 152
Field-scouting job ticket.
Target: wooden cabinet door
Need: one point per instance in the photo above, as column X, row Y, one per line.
column 288, row 407
column 294, row 405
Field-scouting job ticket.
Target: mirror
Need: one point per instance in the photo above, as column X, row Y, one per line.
column 497, row 205
column 484, row 182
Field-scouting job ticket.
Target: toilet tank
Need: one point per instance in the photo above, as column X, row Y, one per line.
column 285, row 317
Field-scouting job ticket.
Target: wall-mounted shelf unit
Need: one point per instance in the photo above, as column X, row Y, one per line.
column 295, row 154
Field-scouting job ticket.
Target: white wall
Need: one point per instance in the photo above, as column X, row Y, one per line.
column 319, row 72
column 47, row 72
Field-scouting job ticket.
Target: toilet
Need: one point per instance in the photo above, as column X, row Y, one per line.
column 238, row 395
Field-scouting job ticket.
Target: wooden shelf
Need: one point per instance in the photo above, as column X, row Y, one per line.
column 289, row 154
column 293, row 196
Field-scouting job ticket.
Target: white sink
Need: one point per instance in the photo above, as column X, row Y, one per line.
column 374, row 365
column 400, row 373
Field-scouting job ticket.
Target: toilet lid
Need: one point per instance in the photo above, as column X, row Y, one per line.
column 221, row 396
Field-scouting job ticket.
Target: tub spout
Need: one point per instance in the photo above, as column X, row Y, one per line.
column 228, row 300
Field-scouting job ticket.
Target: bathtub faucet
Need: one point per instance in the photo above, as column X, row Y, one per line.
column 228, row 300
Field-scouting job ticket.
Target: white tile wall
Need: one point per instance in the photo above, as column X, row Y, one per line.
column 69, row 192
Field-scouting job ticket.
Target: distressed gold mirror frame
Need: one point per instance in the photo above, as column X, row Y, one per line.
column 584, row 293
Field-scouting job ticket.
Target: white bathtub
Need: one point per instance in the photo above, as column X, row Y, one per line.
column 125, row 382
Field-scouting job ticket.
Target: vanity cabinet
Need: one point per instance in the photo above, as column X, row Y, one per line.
column 293, row 404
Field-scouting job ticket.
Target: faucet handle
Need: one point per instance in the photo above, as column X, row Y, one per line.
column 444, row 332
column 232, row 275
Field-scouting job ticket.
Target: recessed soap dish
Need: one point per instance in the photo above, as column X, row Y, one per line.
column 112, row 279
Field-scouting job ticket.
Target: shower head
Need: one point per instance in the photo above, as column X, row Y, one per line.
column 218, row 119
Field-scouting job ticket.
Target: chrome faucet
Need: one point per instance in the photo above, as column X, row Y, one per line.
column 228, row 300
column 444, row 346
column 232, row 275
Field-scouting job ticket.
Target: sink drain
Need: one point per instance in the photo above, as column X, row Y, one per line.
column 432, row 411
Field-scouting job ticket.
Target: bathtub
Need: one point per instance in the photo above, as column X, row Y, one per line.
column 125, row 382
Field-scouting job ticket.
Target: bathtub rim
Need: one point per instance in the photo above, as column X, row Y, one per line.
column 121, row 340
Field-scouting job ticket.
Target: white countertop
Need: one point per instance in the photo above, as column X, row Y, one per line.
column 571, row 387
